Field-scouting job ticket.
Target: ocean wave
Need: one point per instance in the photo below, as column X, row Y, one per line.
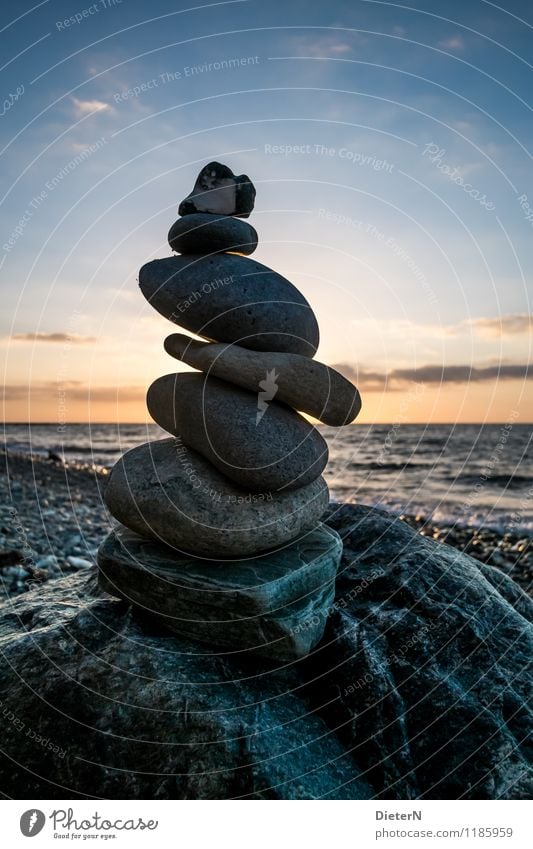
column 503, row 480
column 373, row 466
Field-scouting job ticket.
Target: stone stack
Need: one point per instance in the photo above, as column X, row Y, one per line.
column 221, row 537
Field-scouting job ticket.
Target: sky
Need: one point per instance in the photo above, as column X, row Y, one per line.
column 390, row 148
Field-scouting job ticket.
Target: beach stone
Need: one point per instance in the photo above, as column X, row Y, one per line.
column 79, row 562
column 229, row 298
column 219, row 190
column 257, row 443
column 204, row 233
column 252, row 605
column 168, row 492
column 302, row 383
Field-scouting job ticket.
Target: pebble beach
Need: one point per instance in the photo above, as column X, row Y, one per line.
column 53, row 518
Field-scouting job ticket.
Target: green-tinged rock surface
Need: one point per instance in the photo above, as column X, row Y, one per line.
column 129, row 711
column 419, row 689
column 254, row 606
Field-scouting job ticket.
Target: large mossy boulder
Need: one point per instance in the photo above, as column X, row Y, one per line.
column 418, row 689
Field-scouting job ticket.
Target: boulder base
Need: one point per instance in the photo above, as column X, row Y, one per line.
column 255, row 605
column 420, row 688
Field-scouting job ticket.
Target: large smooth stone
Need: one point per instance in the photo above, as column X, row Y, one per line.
column 254, row 441
column 203, row 233
column 167, row 491
column 303, row 384
column 219, row 190
column 229, row 298
column 133, row 711
column 421, row 686
column 253, row 605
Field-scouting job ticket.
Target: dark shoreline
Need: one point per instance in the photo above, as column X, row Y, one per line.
column 52, row 519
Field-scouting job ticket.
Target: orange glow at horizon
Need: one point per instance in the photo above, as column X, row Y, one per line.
column 491, row 402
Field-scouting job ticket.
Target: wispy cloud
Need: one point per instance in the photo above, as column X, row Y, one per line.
column 397, row 379
column 504, row 325
column 85, row 106
column 511, row 324
column 454, row 42
column 463, row 373
column 72, row 391
column 71, row 338
column 323, row 45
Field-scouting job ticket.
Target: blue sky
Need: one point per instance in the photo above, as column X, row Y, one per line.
column 390, row 148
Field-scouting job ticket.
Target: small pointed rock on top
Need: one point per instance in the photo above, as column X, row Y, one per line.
column 219, row 190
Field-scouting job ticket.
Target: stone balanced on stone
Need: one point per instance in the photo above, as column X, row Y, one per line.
column 220, row 535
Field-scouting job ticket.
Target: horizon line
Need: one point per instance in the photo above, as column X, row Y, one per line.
column 350, row 424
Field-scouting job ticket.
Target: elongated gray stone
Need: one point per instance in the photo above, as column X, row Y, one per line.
column 255, row 605
column 217, row 189
column 229, row 298
column 204, row 233
column 169, row 492
column 303, row 384
column 254, row 441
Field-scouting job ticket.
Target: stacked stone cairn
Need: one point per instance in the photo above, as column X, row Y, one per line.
column 220, row 537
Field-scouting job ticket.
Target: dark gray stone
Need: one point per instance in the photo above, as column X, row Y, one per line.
column 169, row 492
column 303, row 384
column 252, row 605
column 259, row 444
column 426, row 665
column 229, row 298
column 219, row 190
column 204, row 233
column 421, row 684
column 136, row 713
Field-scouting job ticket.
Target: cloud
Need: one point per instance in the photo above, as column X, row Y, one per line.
column 454, row 42
column 504, row 325
column 72, row 391
column 463, row 373
column 512, row 324
column 85, row 106
column 70, row 338
column 397, row 379
column 323, row 45
column 372, row 381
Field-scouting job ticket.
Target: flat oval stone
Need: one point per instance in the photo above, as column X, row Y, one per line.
column 275, row 605
column 256, row 442
column 303, row 384
column 168, row 492
column 228, row 298
column 204, row 233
